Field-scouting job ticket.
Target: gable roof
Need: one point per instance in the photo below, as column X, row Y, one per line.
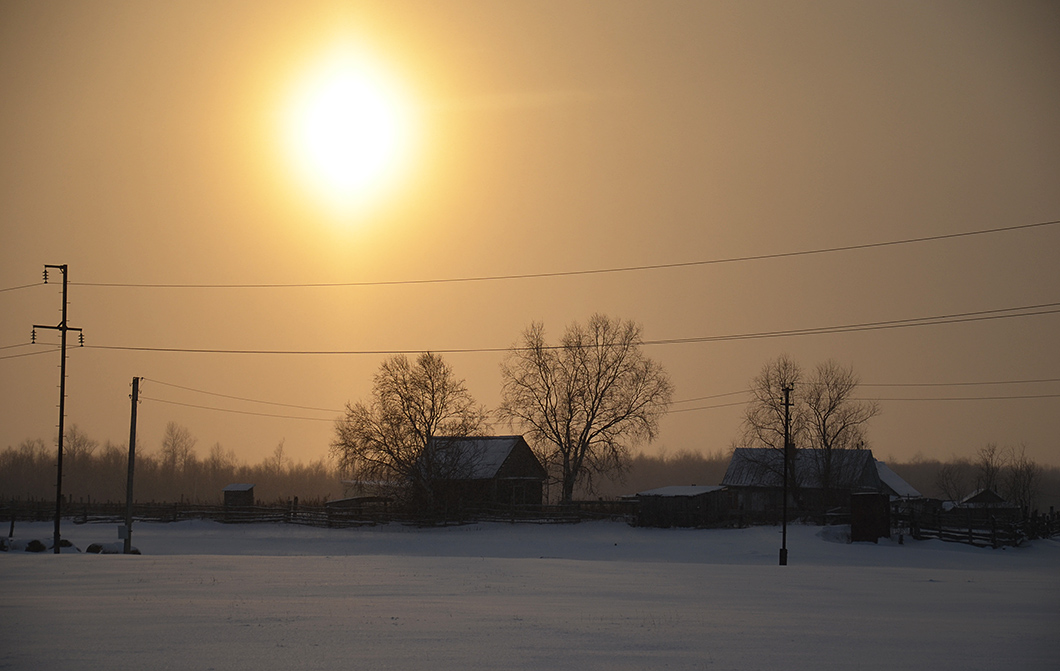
column 764, row 467
column 984, row 497
column 895, row 483
column 482, row 457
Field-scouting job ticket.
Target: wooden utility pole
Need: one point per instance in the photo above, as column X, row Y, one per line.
column 787, row 458
column 62, row 328
column 132, row 465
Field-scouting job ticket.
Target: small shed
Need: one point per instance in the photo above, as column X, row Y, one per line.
column 238, row 495
column 682, row 506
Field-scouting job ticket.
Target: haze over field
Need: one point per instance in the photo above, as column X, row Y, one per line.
column 151, row 146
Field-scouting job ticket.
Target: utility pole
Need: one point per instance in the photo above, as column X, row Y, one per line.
column 787, row 458
column 62, row 328
column 132, row 464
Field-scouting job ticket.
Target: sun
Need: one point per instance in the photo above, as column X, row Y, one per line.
column 349, row 130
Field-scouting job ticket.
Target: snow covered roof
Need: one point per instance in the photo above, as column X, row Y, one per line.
column 238, row 487
column 983, row 497
column 764, row 467
column 483, row 455
column 681, row 490
column 897, row 485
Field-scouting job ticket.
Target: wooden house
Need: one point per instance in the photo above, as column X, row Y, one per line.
column 818, row 480
column 482, row 471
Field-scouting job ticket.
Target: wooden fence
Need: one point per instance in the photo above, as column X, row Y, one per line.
column 983, row 527
column 310, row 515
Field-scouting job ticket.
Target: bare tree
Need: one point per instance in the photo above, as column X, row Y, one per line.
column 77, row 446
column 1022, row 479
column 824, row 416
column 952, row 481
column 835, row 420
column 586, row 402
column 386, row 438
column 763, row 424
column 279, row 460
column 220, row 460
column 989, row 463
column 178, row 447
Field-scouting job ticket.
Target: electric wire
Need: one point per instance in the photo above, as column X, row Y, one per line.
column 584, row 272
column 25, row 354
column 240, row 398
column 23, row 286
column 956, row 318
column 965, row 398
column 959, row 384
column 237, row 412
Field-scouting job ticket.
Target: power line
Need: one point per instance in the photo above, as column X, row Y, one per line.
column 24, row 286
column 241, row 398
column 960, row 384
column 966, row 398
column 707, row 407
column 955, row 318
column 237, row 412
column 707, row 398
column 577, row 273
column 25, row 354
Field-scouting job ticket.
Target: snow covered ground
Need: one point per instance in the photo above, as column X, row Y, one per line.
column 599, row 595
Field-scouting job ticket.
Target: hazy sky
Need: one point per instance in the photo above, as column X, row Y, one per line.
column 142, row 144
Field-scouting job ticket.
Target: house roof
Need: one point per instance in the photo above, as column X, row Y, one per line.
column 764, row 467
column 681, row 490
column 983, row 497
column 895, row 483
column 484, row 454
column 238, row 487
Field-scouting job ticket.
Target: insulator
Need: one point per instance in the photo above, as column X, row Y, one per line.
column 45, row 275
column 81, row 339
column 33, row 337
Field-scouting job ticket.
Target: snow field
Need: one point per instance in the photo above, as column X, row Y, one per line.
column 590, row 596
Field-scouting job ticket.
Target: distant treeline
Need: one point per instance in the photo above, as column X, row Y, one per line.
column 176, row 473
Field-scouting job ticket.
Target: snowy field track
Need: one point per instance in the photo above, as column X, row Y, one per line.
column 599, row 595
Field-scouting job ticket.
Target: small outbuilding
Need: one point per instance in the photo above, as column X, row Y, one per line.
column 238, row 495
column 682, row 506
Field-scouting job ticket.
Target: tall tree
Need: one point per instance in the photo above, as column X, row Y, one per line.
column 825, row 416
column 178, row 447
column 989, row 463
column 386, row 438
column 1022, row 481
column 763, row 424
column 835, row 420
column 587, row 401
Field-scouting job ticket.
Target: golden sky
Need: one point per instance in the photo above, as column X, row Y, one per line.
column 143, row 144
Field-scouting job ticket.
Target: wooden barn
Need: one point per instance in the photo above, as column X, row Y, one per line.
column 819, row 480
column 238, row 495
column 681, row 506
column 482, row 472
